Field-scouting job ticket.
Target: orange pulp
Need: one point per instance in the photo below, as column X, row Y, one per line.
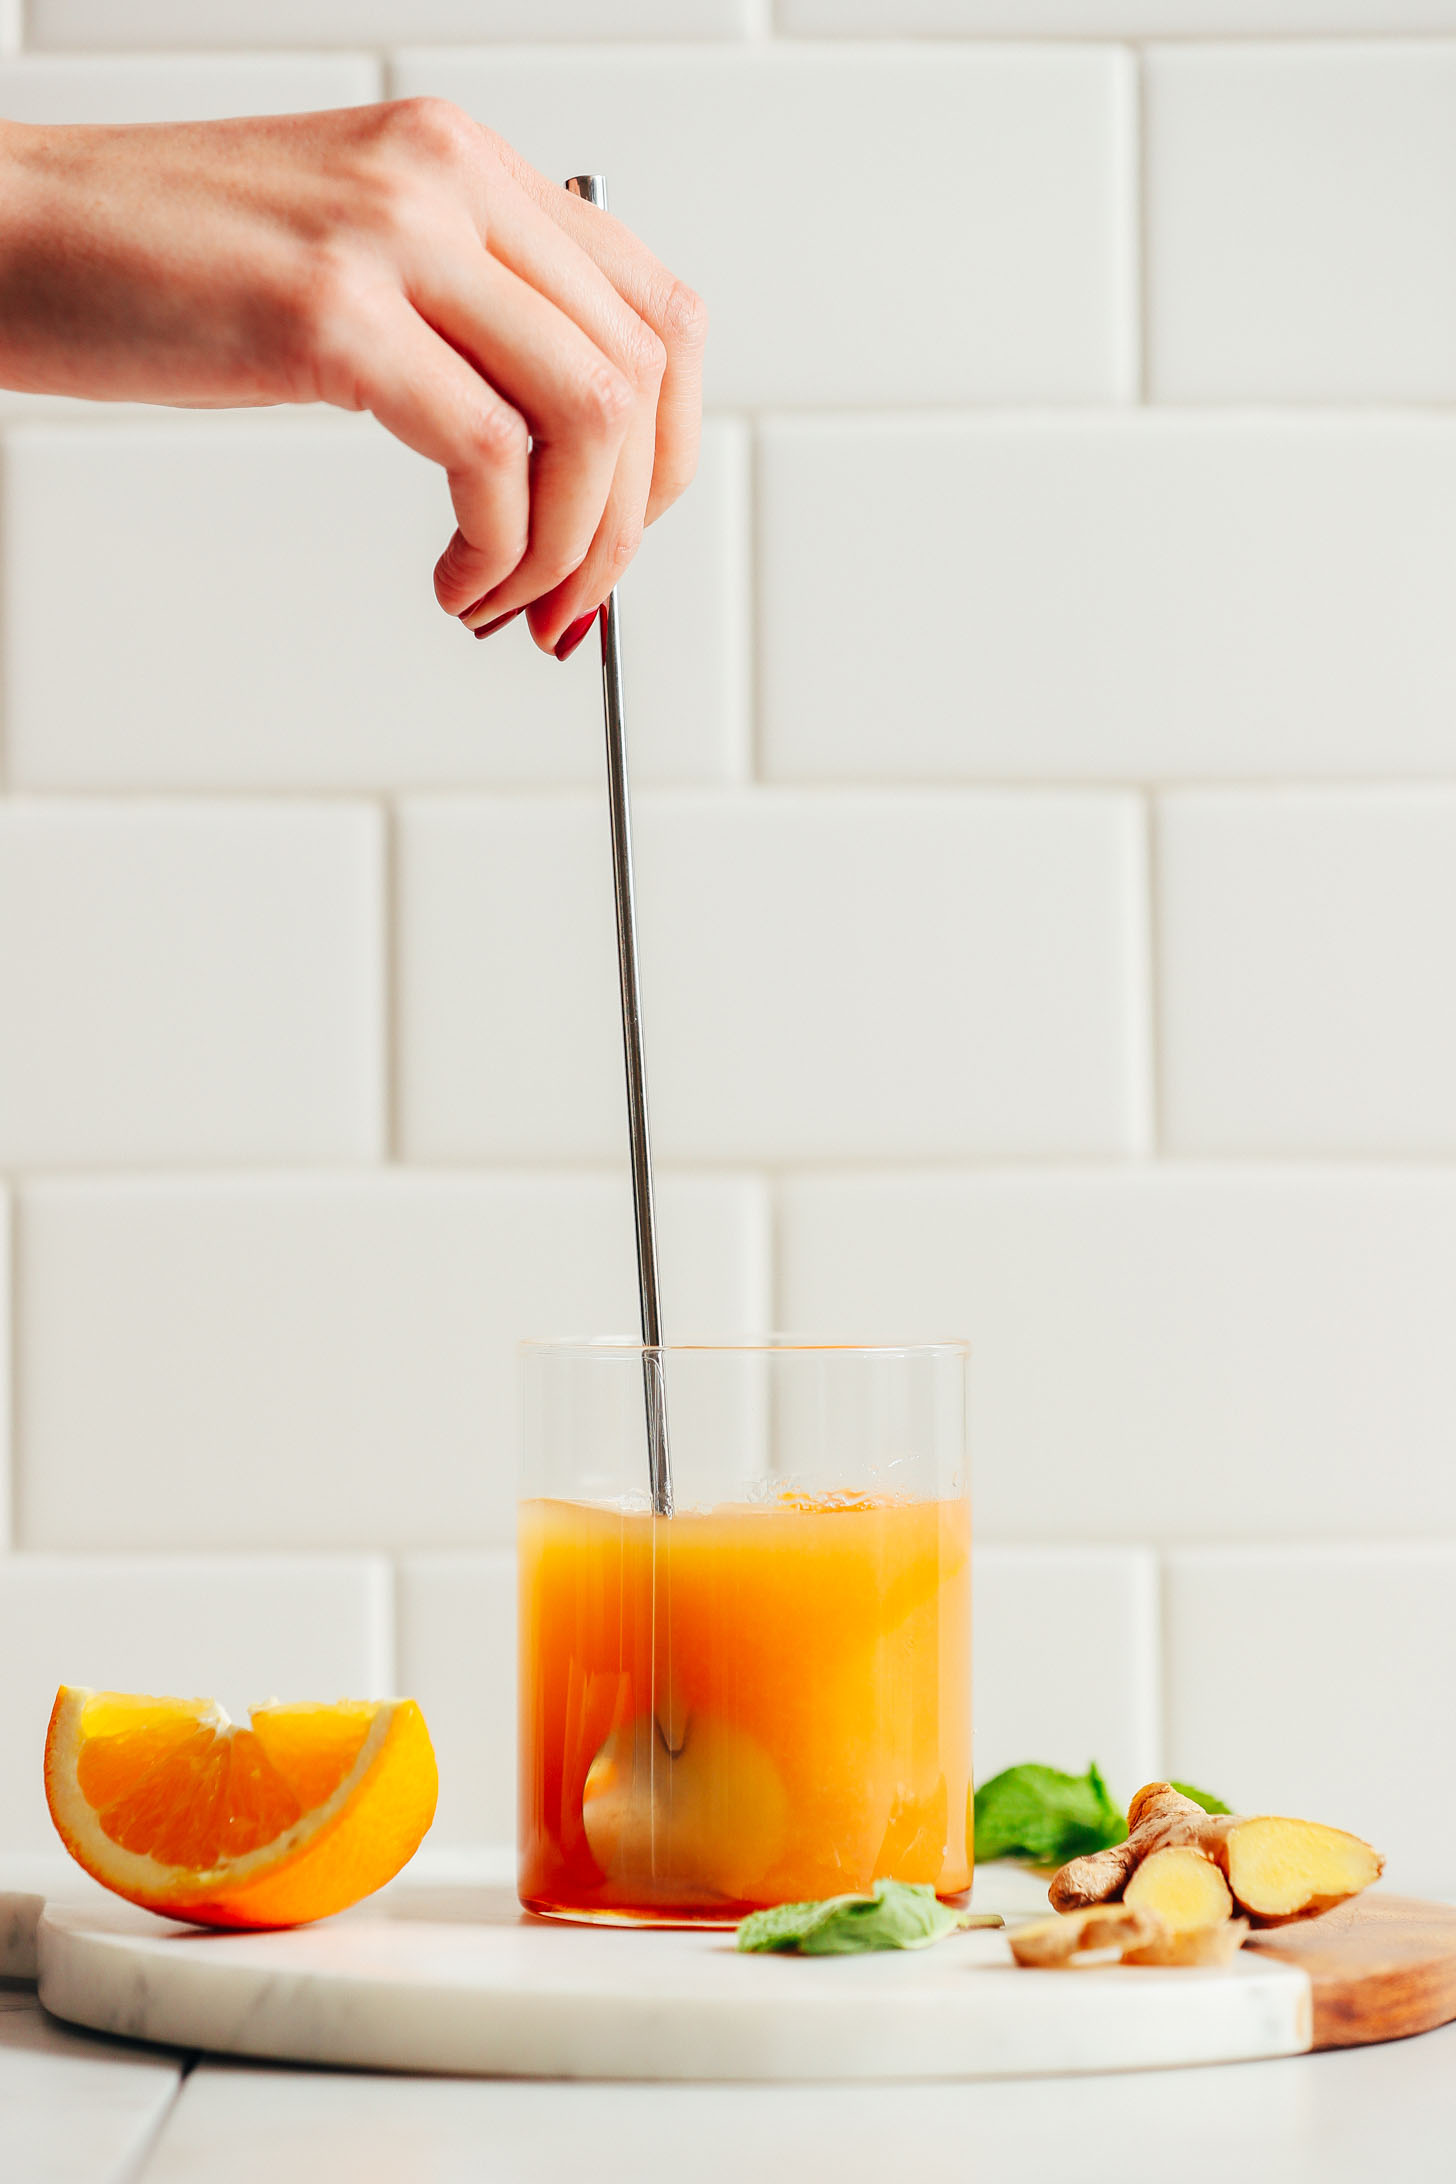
column 741, row 1706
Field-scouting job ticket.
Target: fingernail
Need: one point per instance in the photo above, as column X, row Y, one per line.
column 488, row 629
column 572, row 635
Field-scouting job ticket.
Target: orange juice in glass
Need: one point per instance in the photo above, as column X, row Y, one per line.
column 766, row 1695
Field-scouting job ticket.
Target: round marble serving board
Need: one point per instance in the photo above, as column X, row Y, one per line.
column 459, row 1980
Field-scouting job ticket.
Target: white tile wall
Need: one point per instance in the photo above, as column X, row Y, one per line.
column 457, row 1656
column 1089, row 465
column 1299, row 223
column 1037, row 1609
column 302, row 647
column 239, row 1362
column 826, row 977
column 239, row 1628
column 1180, row 1354
column 1317, row 1681
column 1099, row 18
column 183, row 87
column 104, row 23
column 1106, row 599
column 991, row 259
column 190, row 983
column 1307, row 951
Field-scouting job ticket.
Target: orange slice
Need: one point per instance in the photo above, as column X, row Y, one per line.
column 177, row 1808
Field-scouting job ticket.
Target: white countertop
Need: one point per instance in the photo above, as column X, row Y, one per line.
column 83, row 2110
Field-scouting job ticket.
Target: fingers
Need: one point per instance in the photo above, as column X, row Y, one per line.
column 577, row 403
column 524, row 238
column 674, row 313
column 387, row 360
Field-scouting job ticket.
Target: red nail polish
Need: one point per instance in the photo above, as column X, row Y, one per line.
column 573, row 634
column 488, row 629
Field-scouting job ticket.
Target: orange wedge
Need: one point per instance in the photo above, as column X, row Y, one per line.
column 177, row 1808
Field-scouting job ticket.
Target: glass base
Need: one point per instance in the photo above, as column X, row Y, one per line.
column 680, row 1921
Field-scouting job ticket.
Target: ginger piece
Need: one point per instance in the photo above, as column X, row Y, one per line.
column 1196, row 1945
column 1294, row 1869
column 1184, row 1886
column 1095, row 1932
column 1282, row 1869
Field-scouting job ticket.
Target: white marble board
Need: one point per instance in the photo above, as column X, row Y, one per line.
column 461, row 1981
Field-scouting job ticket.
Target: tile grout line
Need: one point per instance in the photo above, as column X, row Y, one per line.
column 136, row 2168
column 1140, row 228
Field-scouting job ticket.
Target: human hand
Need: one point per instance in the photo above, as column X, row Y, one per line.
column 399, row 259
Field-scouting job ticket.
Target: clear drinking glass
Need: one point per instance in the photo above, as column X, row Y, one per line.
column 766, row 1695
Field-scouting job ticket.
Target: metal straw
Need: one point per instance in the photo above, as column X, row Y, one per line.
column 593, row 187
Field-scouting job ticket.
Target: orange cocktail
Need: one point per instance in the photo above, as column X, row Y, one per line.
column 744, row 1704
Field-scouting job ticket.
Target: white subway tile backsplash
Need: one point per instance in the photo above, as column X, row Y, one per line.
column 190, row 982
column 1299, row 230
column 1103, row 18
column 268, row 620
column 1171, row 1355
column 241, row 1629
column 182, row 87
column 457, row 1656
column 824, row 977
column 1101, row 599
column 1307, row 954
column 1038, row 1609
column 990, row 259
column 895, row 883
column 1317, row 1680
column 233, row 23
column 326, row 1362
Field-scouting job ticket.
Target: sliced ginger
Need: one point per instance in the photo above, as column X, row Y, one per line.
column 1195, row 1946
column 1184, row 1886
column 1100, row 1932
column 1294, row 1869
column 1276, row 1869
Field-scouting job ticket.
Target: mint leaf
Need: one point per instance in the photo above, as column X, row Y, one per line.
column 1205, row 1798
column 899, row 1915
column 1044, row 1816
column 787, row 1925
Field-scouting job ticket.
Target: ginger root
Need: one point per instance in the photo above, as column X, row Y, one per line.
column 1184, row 1886
column 1196, row 1945
column 1092, row 1933
column 1276, row 1869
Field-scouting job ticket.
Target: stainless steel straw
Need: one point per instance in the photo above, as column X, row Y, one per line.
column 593, row 187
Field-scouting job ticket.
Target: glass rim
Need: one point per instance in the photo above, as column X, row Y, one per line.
column 773, row 1345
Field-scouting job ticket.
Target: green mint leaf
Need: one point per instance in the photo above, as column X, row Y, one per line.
column 899, row 1915
column 1044, row 1816
column 786, row 1925
column 1205, row 1798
